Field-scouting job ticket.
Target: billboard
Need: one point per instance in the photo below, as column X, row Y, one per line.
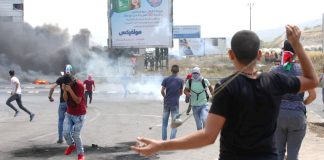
column 201, row 46
column 215, row 46
column 192, row 31
column 140, row 23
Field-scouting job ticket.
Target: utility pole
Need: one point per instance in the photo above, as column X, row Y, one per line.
column 323, row 33
column 250, row 6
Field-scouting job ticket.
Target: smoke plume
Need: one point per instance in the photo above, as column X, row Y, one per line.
column 32, row 51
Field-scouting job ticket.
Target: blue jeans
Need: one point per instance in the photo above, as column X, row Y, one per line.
column 61, row 115
column 174, row 110
column 72, row 131
column 200, row 114
column 290, row 132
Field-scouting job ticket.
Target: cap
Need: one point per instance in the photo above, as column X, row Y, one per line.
column 68, row 69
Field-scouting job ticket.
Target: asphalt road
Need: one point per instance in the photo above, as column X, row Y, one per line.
column 111, row 127
column 112, row 123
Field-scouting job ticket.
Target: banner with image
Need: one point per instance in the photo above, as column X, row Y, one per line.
column 201, row 46
column 140, row 23
column 191, row 46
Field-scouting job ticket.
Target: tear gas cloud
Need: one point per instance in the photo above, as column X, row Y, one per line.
column 32, row 51
column 42, row 52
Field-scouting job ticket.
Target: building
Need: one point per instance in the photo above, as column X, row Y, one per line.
column 11, row 10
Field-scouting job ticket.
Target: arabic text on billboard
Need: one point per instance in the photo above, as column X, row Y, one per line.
column 140, row 23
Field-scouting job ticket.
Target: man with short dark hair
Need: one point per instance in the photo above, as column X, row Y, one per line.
column 73, row 95
column 171, row 91
column 62, row 105
column 16, row 96
column 88, row 83
column 245, row 106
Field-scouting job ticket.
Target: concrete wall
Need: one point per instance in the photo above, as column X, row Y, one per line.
column 8, row 12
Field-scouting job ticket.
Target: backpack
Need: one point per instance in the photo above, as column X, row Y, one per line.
column 203, row 84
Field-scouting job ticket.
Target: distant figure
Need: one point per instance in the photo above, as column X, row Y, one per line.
column 322, row 84
column 171, row 91
column 275, row 56
column 89, row 82
column 62, row 105
column 187, row 100
column 292, row 123
column 125, row 80
column 267, row 57
column 196, row 89
column 16, row 96
column 145, row 62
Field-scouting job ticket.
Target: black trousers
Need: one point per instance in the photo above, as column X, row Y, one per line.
column 16, row 97
column 86, row 94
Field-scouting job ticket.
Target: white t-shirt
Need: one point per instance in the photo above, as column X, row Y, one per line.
column 14, row 81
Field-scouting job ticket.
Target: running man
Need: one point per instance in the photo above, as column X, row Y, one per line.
column 16, row 96
column 89, row 82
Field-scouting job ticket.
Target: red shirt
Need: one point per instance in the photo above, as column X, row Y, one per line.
column 73, row 108
column 189, row 76
column 88, row 84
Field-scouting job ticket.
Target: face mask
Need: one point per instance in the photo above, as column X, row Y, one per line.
column 195, row 76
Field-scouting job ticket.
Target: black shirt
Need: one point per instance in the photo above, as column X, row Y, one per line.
column 59, row 81
column 251, row 108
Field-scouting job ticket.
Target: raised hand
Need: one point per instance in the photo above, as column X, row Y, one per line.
column 293, row 34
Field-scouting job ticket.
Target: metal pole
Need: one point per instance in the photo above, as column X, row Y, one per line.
column 323, row 33
column 250, row 5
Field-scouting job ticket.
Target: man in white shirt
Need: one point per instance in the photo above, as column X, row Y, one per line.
column 16, row 95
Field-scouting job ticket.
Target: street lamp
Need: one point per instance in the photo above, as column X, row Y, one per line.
column 250, row 6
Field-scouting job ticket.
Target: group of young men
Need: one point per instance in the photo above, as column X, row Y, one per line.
column 244, row 110
column 245, row 105
column 71, row 110
column 196, row 94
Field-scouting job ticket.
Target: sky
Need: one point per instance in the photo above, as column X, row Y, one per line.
column 217, row 18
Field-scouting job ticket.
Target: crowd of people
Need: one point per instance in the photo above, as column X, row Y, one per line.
column 272, row 57
column 259, row 116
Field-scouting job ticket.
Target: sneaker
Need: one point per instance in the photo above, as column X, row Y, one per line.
column 70, row 149
column 31, row 116
column 16, row 114
column 81, row 157
column 60, row 141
